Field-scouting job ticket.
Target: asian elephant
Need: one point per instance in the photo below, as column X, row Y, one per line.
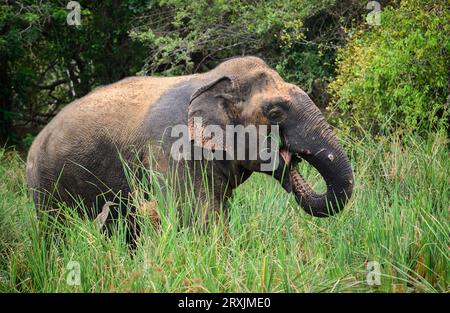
column 78, row 155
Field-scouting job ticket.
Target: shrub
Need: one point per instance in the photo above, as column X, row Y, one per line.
column 395, row 75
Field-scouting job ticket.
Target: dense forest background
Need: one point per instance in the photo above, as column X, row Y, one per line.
column 367, row 74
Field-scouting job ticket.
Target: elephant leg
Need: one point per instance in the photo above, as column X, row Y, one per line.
column 133, row 229
column 210, row 209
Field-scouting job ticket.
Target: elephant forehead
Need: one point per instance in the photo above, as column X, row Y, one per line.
column 263, row 82
column 252, row 110
column 270, row 94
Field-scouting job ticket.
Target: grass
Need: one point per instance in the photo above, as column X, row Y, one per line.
column 398, row 217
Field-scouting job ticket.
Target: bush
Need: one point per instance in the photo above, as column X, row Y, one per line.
column 395, row 75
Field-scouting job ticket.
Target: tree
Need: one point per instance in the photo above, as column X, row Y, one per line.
column 46, row 63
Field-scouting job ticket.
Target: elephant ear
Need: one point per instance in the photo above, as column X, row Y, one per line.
column 210, row 110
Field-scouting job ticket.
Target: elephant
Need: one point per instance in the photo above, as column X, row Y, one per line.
column 79, row 155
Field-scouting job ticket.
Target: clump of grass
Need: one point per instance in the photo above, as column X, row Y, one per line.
column 398, row 217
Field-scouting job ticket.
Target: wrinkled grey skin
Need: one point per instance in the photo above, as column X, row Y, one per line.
column 76, row 154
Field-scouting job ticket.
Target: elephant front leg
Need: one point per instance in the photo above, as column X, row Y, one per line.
column 210, row 209
column 212, row 212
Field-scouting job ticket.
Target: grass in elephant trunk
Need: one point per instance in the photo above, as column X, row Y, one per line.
column 297, row 175
column 398, row 216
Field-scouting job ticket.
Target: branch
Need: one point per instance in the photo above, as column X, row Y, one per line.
column 53, row 85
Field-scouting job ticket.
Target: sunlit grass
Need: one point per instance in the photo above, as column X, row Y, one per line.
column 398, row 216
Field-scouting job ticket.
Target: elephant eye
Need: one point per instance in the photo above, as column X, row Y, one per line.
column 275, row 114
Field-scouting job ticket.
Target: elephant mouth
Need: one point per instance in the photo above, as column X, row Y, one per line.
column 291, row 160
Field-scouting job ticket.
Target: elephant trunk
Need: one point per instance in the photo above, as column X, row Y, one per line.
column 315, row 142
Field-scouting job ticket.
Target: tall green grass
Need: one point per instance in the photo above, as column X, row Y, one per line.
column 398, row 217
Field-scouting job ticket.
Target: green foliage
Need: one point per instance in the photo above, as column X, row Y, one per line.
column 187, row 36
column 45, row 63
column 27, row 140
column 309, row 68
column 395, row 75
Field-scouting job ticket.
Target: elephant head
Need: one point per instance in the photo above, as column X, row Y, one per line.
column 245, row 91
